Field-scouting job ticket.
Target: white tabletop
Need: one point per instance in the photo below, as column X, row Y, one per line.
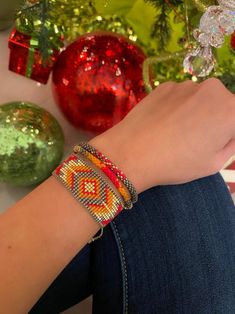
column 14, row 87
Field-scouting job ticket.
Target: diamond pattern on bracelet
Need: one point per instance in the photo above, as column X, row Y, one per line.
column 89, row 188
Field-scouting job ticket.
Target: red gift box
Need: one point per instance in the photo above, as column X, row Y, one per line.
column 26, row 60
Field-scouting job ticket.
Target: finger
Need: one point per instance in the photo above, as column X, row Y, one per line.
column 160, row 93
column 190, row 82
column 188, row 88
column 165, row 87
column 215, row 83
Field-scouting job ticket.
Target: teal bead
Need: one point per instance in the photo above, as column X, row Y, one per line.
column 31, row 144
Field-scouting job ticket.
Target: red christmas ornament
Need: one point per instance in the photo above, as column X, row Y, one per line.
column 232, row 42
column 97, row 80
column 26, row 60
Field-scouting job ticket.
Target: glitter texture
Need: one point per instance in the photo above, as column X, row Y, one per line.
column 25, row 58
column 217, row 22
column 31, row 143
column 98, row 79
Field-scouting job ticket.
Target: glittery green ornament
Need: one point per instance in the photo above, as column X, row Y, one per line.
column 31, row 143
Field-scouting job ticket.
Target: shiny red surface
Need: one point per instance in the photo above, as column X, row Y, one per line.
column 97, row 80
column 19, row 45
column 233, row 41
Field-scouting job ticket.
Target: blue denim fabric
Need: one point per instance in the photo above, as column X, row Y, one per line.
column 173, row 253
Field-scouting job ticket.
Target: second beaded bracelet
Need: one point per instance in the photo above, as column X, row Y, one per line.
column 119, row 174
column 108, row 172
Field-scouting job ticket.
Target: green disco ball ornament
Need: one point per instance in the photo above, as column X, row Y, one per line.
column 31, row 143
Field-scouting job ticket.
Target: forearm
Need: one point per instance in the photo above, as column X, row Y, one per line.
column 45, row 230
column 158, row 142
column 38, row 238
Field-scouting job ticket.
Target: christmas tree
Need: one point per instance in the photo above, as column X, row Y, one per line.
column 164, row 28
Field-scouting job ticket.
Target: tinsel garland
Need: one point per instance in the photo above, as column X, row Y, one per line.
column 47, row 21
column 36, row 19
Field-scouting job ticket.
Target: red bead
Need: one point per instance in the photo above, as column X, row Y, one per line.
column 97, row 80
column 232, row 42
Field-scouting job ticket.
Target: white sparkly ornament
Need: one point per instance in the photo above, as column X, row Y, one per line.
column 209, row 22
column 217, row 22
column 227, row 21
column 199, row 62
column 228, row 4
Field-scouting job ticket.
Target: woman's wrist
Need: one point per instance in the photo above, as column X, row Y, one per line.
column 118, row 150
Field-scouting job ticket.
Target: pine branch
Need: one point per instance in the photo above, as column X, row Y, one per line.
column 229, row 81
column 161, row 27
column 43, row 39
column 158, row 3
column 36, row 21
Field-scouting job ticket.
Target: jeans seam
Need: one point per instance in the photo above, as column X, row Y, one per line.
column 123, row 267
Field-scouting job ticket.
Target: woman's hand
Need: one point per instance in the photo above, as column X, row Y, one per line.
column 179, row 133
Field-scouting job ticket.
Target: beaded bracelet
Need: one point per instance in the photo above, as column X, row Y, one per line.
column 112, row 166
column 114, row 179
column 89, row 188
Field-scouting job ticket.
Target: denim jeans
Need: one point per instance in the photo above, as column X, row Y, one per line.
column 173, row 253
